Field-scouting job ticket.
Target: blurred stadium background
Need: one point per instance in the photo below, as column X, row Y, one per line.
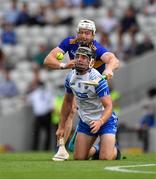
column 40, row 26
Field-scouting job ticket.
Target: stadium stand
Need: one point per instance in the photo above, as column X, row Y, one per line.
column 133, row 79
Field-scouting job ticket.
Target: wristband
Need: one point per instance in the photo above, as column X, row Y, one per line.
column 62, row 65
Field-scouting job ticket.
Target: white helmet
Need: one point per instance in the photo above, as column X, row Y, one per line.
column 86, row 24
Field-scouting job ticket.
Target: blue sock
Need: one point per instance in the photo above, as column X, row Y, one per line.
column 71, row 142
column 96, row 155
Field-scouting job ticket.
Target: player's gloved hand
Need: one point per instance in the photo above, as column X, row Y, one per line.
column 70, row 64
column 95, row 126
column 108, row 73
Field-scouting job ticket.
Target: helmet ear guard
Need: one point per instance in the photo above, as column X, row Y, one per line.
column 91, row 63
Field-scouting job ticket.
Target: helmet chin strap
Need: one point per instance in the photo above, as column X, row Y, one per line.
column 83, row 70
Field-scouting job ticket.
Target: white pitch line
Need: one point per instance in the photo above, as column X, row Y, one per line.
column 122, row 169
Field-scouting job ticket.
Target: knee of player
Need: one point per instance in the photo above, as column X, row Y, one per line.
column 106, row 157
column 79, row 157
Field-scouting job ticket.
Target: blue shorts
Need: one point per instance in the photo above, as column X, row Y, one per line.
column 108, row 128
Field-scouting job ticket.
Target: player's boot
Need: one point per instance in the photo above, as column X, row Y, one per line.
column 71, row 142
column 62, row 153
column 118, row 156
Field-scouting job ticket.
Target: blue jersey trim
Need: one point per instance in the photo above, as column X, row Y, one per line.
column 102, row 89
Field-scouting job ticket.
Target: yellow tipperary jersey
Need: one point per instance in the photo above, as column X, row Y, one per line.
column 67, row 45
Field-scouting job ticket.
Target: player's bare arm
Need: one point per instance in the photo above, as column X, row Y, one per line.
column 112, row 63
column 107, row 103
column 65, row 111
column 69, row 121
column 52, row 62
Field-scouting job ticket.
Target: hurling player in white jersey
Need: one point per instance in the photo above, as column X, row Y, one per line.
column 105, row 62
column 95, row 109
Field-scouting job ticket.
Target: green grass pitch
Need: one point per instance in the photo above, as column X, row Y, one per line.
column 40, row 166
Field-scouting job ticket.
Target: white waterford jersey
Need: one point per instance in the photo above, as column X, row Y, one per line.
column 88, row 96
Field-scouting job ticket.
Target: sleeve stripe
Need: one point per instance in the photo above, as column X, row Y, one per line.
column 101, row 89
column 102, row 83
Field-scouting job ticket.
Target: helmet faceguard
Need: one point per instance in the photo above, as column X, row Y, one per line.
column 86, row 25
column 83, row 66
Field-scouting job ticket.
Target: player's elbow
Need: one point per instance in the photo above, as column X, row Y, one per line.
column 115, row 60
column 109, row 108
column 46, row 61
column 117, row 63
